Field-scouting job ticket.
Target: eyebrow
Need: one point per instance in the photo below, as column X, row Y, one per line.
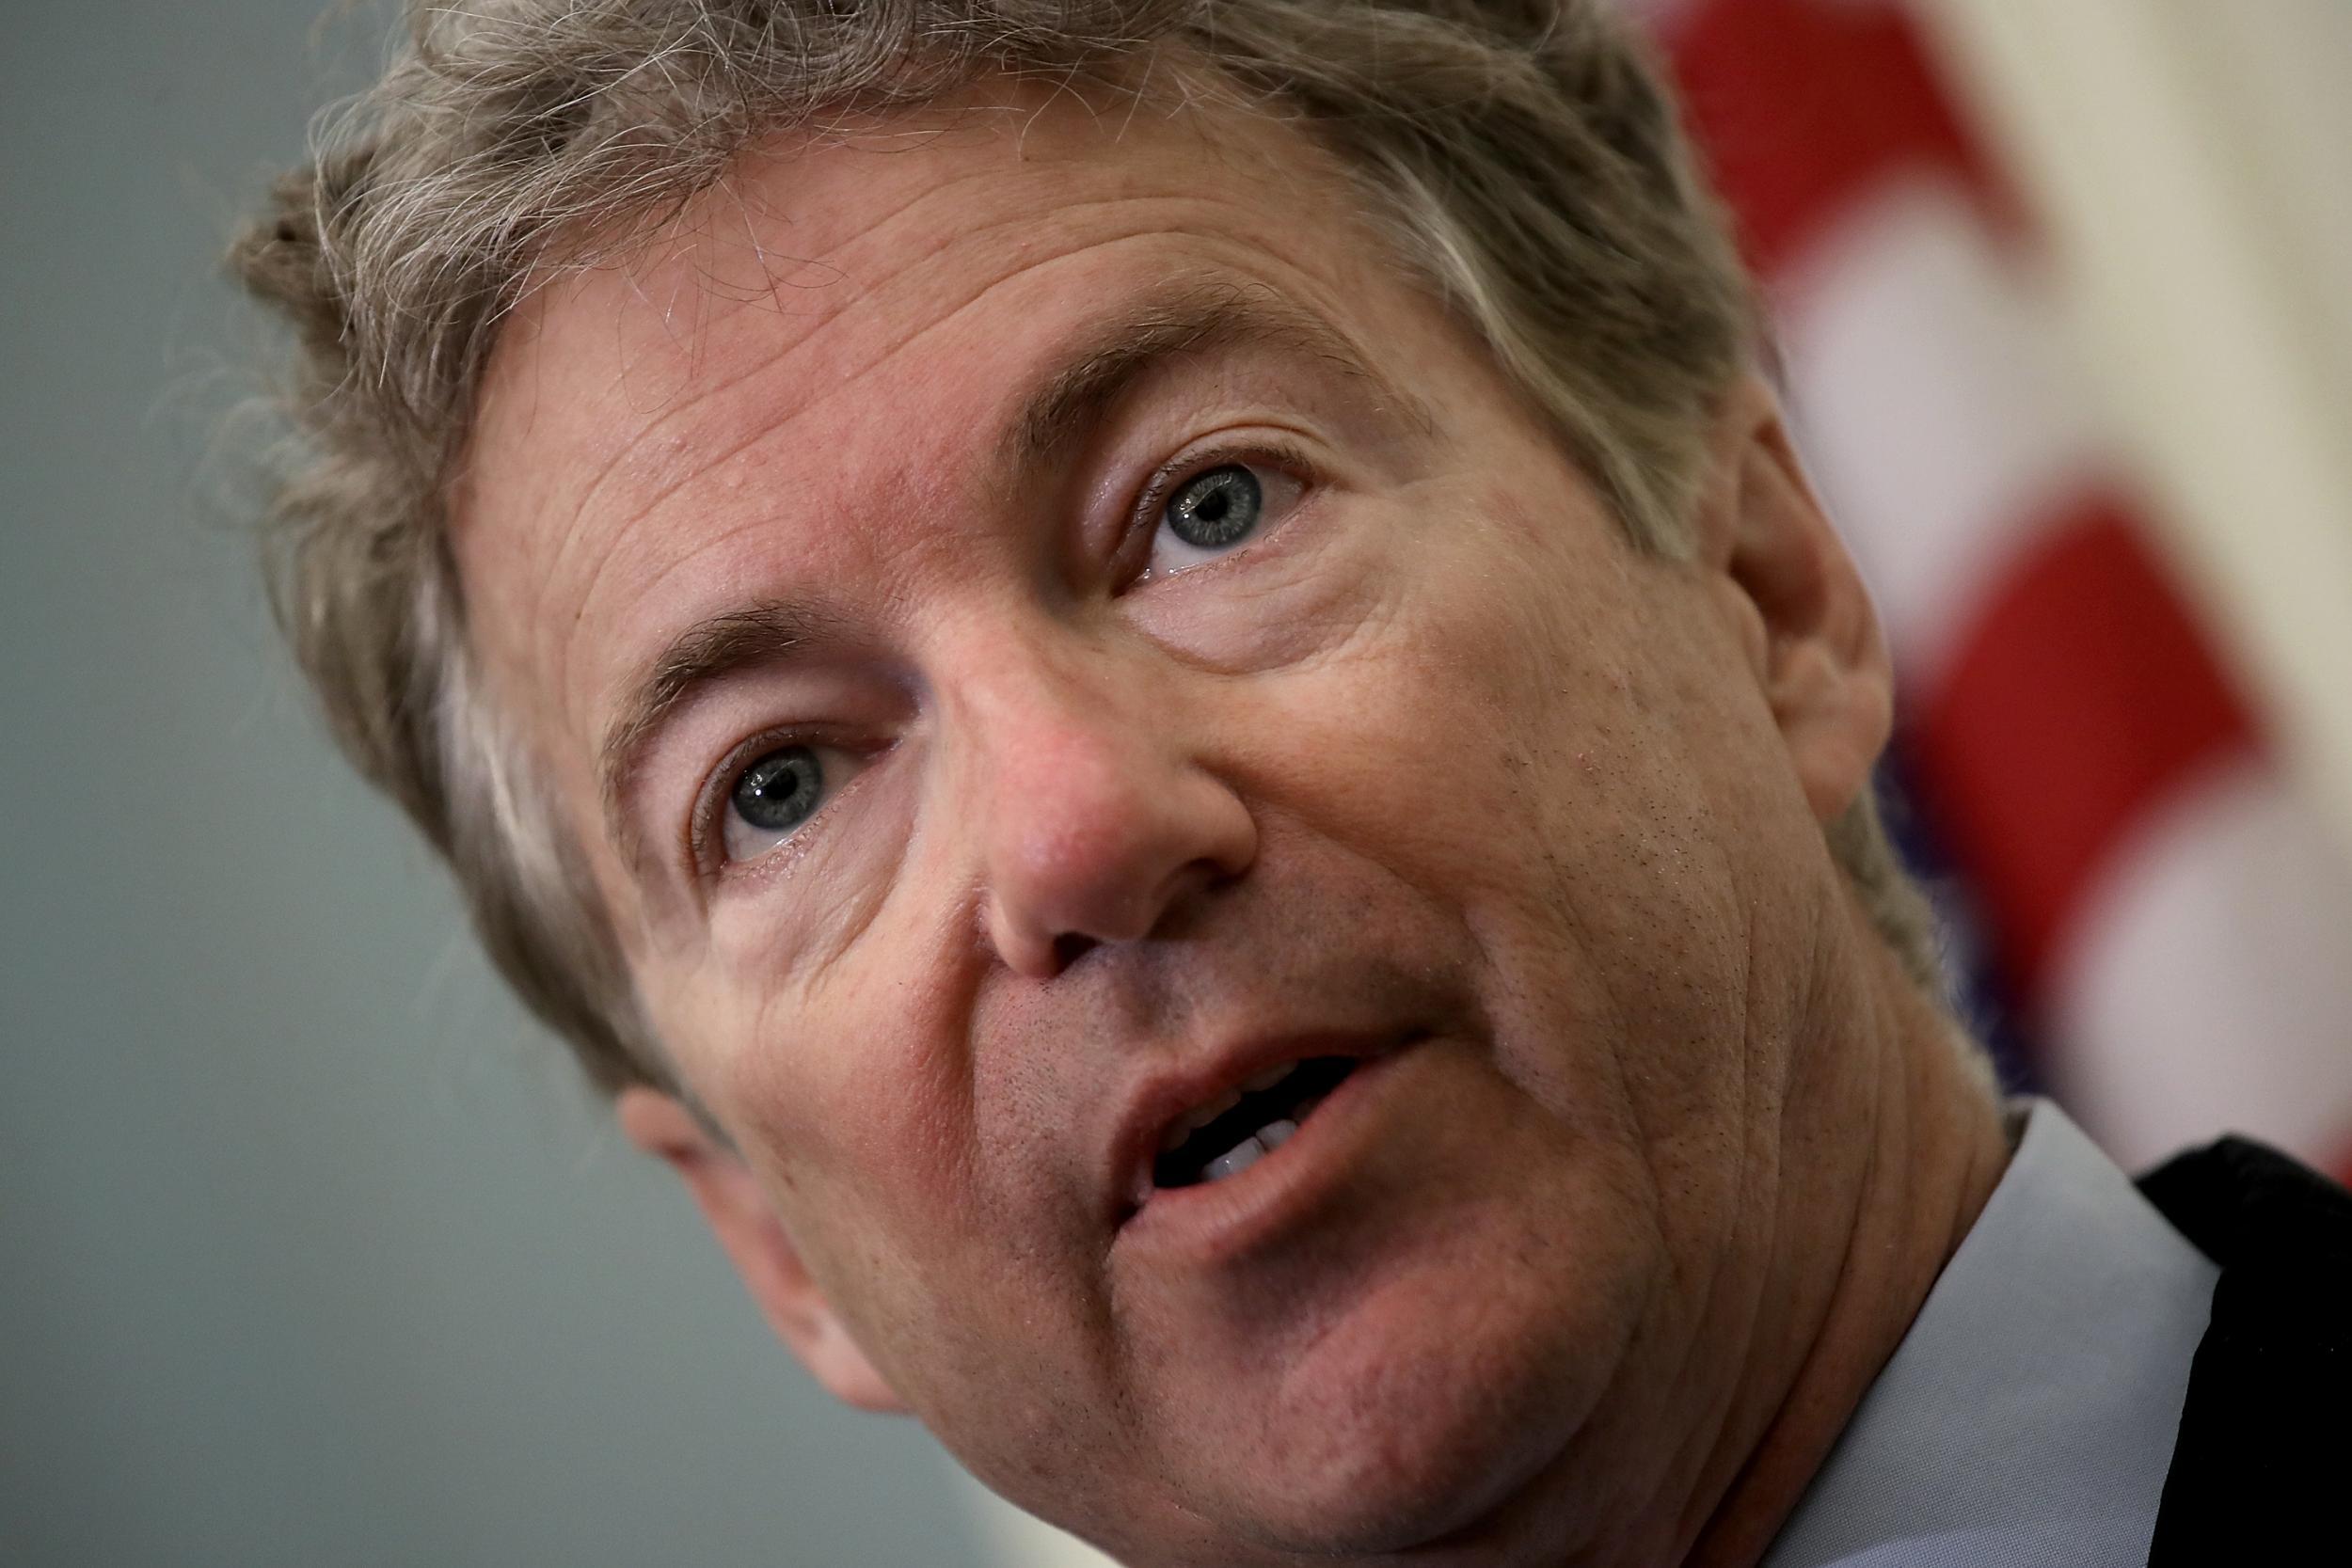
column 1054, row 421
column 705, row 652
column 1194, row 321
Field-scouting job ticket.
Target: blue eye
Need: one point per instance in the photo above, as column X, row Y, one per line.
column 1216, row 511
column 772, row 798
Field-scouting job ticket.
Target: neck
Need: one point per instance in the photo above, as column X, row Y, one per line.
column 1938, row 1151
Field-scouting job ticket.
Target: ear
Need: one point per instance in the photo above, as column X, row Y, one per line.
column 745, row 1223
column 1802, row 615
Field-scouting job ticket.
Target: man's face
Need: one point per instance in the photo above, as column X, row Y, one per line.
column 1043, row 629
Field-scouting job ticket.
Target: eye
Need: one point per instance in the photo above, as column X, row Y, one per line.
column 777, row 793
column 1215, row 513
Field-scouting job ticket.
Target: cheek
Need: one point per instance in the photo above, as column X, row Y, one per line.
column 854, row 1096
column 818, row 1080
column 1485, row 708
column 1526, row 732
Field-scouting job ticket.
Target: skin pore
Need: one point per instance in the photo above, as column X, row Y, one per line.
column 870, row 463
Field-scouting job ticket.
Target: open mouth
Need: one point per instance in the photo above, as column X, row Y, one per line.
column 1225, row 1137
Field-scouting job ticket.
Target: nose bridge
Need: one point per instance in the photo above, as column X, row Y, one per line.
column 1058, row 734
column 1093, row 811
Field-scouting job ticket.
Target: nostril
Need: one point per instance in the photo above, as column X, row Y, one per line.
column 1068, row 948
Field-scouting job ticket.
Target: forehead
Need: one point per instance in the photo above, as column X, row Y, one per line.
column 845, row 319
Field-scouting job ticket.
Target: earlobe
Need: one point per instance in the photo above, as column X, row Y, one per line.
column 1802, row 616
column 736, row 1209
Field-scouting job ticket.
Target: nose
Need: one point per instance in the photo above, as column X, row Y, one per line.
column 1096, row 818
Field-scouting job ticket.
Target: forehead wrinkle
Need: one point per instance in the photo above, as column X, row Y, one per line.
column 675, row 411
column 1209, row 315
column 754, row 521
column 868, row 234
column 1039, row 199
column 1213, row 309
column 632, row 279
column 764, row 425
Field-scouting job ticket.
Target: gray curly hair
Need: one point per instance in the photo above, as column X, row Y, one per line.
column 1522, row 156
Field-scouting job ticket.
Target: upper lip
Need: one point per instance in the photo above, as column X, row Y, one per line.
column 1163, row 1096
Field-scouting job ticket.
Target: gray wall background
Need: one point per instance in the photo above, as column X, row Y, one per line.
column 311, row 1250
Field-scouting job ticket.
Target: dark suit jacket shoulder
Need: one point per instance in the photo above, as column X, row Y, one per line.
column 2261, row 1471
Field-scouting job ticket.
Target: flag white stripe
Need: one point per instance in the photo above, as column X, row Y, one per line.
column 1934, row 406
column 2207, row 987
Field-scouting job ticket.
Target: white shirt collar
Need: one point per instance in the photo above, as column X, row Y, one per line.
column 2028, row 1419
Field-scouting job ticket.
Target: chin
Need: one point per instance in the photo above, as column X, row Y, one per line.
column 1420, row 1417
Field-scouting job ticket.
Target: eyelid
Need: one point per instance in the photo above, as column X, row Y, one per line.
column 705, row 849
column 1173, row 475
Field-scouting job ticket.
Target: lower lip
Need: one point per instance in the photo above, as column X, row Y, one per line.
column 1218, row 1221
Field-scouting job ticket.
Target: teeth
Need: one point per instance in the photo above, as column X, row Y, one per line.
column 1232, row 1163
column 1272, row 1136
column 1198, row 1117
column 1208, row 1111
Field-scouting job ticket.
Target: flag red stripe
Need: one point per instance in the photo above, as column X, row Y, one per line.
column 1803, row 106
column 2081, row 696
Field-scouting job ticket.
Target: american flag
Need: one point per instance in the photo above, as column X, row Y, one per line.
column 2149, row 922
column 2153, row 924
